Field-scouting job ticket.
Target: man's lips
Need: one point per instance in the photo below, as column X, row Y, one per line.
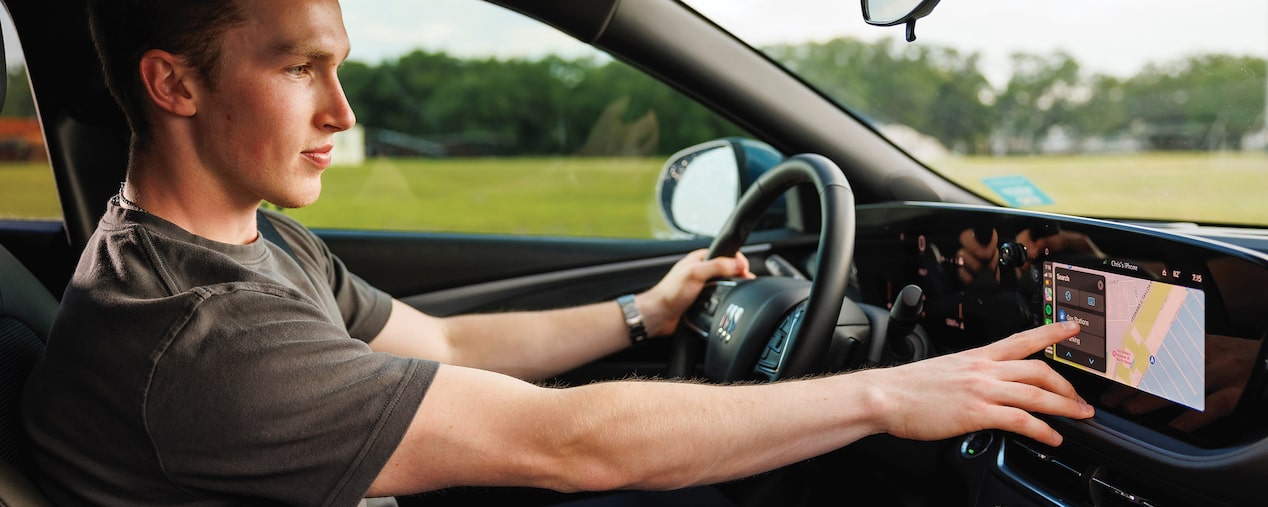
column 320, row 156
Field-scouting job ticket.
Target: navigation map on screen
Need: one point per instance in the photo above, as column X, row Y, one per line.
column 1146, row 334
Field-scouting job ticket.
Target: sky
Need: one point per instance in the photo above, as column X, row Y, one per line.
column 1102, row 30
column 1105, row 36
column 469, row 28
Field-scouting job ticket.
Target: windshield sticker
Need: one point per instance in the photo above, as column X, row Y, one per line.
column 1018, row 191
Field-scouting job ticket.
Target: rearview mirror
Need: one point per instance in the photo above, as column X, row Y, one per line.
column 894, row 12
column 699, row 186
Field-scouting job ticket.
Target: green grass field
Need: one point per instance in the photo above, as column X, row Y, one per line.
column 613, row 197
column 27, row 191
column 1227, row 188
column 610, row 197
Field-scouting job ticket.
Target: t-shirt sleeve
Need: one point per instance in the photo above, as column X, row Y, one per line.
column 284, row 408
column 365, row 308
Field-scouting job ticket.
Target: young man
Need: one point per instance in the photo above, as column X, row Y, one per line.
column 195, row 362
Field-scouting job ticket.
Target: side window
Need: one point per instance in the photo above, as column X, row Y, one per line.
column 27, row 190
column 480, row 120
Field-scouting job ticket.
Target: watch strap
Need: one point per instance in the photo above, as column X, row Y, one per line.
column 633, row 318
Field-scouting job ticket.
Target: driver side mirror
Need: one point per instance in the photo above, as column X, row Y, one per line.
column 895, row 12
column 700, row 185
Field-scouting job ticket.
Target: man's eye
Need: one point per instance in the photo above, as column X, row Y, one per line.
column 298, row 70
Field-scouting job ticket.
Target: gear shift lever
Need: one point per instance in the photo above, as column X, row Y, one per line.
column 903, row 317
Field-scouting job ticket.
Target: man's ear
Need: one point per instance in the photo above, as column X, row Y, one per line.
column 169, row 83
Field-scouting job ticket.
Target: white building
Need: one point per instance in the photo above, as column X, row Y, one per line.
column 350, row 146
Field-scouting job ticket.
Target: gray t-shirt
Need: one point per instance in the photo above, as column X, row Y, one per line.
column 182, row 371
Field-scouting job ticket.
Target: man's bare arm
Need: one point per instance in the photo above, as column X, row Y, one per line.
column 482, row 428
column 525, row 345
column 540, row 344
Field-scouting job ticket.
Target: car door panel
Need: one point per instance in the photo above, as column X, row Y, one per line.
column 413, row 264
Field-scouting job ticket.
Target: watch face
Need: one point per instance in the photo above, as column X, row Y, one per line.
column 633, row 318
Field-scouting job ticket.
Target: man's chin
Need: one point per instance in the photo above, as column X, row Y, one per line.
column 294, row 201
column 289, row 204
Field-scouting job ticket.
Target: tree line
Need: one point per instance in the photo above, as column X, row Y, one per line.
column 554, row 105
column 1194, row 102
column 524, row 107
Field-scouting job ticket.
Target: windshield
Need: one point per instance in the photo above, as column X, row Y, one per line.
column 1142, row 109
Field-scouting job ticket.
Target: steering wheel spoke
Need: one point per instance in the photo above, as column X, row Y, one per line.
column 746, row 321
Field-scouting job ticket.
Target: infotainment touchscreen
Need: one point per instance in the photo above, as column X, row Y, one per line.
column 1146, row 334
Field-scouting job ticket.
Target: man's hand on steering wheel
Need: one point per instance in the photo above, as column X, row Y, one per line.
column 664, row 304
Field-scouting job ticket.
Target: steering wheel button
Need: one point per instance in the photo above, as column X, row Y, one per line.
column 711, row 303
column 777, row 341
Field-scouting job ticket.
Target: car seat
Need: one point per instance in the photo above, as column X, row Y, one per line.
column 26, row 315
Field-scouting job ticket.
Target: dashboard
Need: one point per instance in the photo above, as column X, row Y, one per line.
column 1170, row 349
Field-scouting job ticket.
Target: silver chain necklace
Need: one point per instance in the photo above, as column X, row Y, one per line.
column 127, row 202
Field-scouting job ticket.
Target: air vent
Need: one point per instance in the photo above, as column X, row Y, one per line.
column 1110, row 489
column 1067, row 479
column 1060, row 479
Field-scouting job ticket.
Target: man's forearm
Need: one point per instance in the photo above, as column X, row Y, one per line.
column 667, row 435
column 621, row 435
column 537, row 345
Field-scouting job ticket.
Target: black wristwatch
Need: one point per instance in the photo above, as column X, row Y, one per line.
column 633, row 318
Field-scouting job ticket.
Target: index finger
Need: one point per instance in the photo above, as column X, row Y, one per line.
column 1025, row 343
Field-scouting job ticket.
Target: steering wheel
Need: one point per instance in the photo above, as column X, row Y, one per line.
column 773, row 327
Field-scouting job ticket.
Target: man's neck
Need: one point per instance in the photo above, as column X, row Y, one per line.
column 201, row 207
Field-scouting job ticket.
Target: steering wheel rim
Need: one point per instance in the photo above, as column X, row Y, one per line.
column 813, row 334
